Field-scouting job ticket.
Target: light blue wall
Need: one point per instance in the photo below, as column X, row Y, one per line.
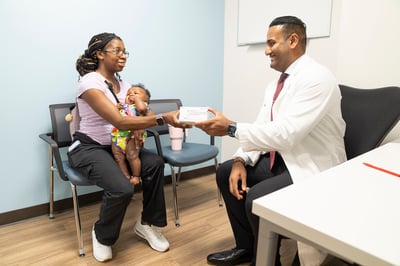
column 176, row 50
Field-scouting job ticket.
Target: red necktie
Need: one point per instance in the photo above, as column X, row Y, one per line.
column 276, row 94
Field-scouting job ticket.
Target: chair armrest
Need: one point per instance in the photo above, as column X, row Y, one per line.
column 156, row 135
column 47, row 137
column 55, row 151
column 212, row 140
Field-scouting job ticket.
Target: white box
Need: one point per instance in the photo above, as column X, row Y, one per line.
column 193, row 114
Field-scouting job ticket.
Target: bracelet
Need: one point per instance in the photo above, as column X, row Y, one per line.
column 240, row 160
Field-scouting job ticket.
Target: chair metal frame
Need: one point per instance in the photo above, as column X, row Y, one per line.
column 60, row 137
column 177, row 158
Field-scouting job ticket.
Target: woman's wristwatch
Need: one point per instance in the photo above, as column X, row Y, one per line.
column 232, row 129
column 159, row 119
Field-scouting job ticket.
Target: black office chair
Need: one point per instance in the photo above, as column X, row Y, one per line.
column 191, row 153
column 370, row 114
column 58, row 139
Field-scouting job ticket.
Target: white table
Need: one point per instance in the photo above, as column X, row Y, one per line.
column 351, row 211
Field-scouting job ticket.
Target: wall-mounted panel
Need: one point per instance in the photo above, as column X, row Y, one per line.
column 255, row 16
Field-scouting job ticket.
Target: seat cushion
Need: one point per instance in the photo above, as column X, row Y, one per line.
column 75, row 177
column 191, row 153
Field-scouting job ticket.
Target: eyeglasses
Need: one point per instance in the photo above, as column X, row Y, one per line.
column 117, row 52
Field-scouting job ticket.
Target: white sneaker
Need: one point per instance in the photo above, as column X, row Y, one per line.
column 152, row 234
column 100, row 252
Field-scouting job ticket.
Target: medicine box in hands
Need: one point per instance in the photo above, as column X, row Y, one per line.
column 193, row 114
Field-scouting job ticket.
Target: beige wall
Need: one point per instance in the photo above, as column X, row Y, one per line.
column 362, row 51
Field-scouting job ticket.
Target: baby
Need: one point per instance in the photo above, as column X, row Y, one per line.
column 126, row 144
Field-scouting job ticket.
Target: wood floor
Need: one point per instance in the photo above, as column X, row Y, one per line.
column 204, row 229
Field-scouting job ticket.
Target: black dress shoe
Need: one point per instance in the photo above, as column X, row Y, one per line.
column 230, row 257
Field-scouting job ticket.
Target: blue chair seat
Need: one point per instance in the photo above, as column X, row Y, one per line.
column 75, row 177
column 191, row 153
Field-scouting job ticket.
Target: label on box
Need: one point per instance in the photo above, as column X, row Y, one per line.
column 193, row 114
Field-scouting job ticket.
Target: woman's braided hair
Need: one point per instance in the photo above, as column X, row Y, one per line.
column 88, row 62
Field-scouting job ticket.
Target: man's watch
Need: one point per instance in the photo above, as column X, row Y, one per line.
column 232, row 129
column 159, row 119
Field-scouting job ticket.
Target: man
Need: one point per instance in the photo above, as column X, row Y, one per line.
column 303, row 124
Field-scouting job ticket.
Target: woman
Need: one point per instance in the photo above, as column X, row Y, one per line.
column 99, row 87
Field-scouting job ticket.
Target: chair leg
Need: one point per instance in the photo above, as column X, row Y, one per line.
column 218, row 191
column 77, row 221
column 179, row 176
column 51, row 195
column 51, row 185
column 219, row 198
column 175, row 195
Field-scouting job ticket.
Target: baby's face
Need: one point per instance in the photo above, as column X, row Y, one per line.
column 134, row 93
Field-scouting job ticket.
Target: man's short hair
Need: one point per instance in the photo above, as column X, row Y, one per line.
column 291, row 25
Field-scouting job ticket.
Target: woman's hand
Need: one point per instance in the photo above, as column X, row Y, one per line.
column 171, row 118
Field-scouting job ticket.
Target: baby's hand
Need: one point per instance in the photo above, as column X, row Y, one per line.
column 120, row 106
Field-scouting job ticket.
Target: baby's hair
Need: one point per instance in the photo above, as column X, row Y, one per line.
column 141, row 85
column 88, row 62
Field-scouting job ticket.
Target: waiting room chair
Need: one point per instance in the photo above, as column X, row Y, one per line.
column 58, row 139
column 191, row 153
column 370, row 114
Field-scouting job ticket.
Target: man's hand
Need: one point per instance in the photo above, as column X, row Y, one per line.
column 238, row 173
column 216, row 126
